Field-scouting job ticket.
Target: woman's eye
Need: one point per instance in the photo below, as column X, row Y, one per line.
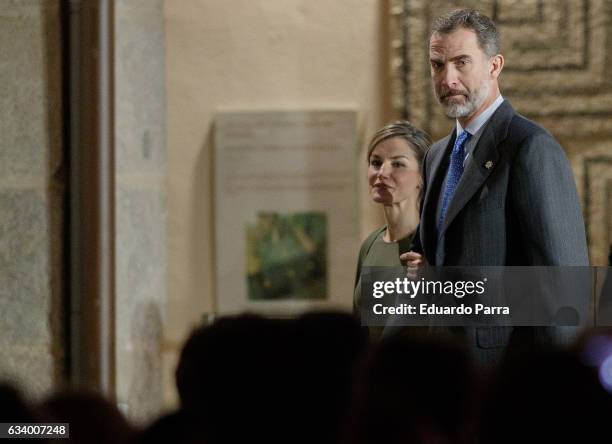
column 375, row 163
column 398, row 164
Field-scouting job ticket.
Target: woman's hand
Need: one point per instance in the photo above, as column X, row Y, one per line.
column 413, row 259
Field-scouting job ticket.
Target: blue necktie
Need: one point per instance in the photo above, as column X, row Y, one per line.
column 455, row 170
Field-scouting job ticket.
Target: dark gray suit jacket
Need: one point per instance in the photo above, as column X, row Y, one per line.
column 516, row 204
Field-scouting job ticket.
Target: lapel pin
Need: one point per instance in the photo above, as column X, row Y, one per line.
column 489, row 164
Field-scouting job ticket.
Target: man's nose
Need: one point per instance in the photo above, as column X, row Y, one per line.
column 449, row 77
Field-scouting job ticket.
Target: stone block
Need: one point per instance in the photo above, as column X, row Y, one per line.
column 30, row 368
column 30, row 96
column 141, row 290
column 26, row 276
column 140, row 88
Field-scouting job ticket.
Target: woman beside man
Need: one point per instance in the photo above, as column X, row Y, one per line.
column 395, row 155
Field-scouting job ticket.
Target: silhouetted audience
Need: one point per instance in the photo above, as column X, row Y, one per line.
column 92, row 419
column 316, row 379
column 232, row 376
column 15, row 410
column 415, row 390
column 328, row 348
column 546, row 396
column 176, row 428
column 270, row 380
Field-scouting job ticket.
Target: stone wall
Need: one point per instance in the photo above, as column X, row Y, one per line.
column 31, row 195
column 140, row 165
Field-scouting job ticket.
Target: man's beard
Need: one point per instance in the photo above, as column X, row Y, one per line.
column 473, row 101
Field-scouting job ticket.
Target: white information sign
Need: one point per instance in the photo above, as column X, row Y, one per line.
column 286, row 210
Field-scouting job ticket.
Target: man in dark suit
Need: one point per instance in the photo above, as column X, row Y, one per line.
column 499, row 189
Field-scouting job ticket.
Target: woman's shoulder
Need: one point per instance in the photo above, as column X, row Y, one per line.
column 367, row 243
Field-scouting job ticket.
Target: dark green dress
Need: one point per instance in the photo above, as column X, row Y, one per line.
column 375, row 252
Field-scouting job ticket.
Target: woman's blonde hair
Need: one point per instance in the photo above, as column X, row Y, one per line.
column 418, row 140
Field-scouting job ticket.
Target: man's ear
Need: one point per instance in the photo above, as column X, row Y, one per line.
column 497, row 63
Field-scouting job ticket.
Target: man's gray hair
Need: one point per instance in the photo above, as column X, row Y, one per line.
column 489, row 39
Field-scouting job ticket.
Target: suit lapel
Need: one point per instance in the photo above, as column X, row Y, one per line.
column 437, row 172
column 484, row 159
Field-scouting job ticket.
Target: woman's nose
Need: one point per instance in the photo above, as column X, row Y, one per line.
column 383, row 170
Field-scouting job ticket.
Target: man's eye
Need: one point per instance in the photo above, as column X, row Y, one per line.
column 461, row 63
column 436, row 66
